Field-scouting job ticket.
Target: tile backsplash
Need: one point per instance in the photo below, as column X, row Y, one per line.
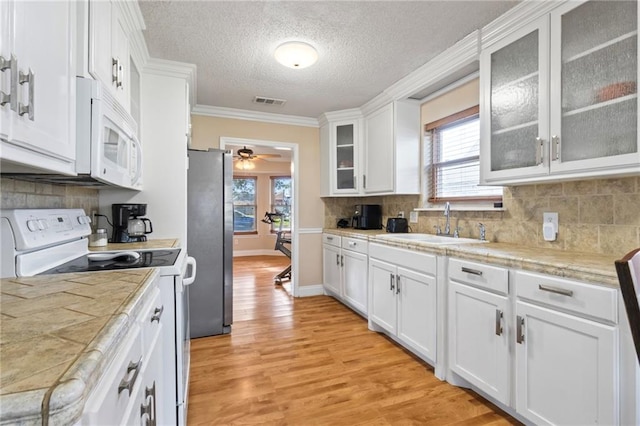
column 598, row 216
column 18, row 194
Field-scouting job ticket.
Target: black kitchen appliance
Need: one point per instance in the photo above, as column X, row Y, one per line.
column 397, row 224
column 121, row 215
column 367, row 216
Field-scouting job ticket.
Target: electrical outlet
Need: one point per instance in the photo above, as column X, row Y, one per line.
column 235, row 241
column 400, row 214
column 550, row 226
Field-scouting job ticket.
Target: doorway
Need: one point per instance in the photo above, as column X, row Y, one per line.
column 265, row 165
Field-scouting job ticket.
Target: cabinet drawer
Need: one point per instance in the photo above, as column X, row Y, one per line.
column 415, row 260
column 355, row 244
column 150, row 318
column 590, row 300
column 491, row 278
column 332, row 240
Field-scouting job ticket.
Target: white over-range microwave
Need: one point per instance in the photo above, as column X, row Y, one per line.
column 108, row 152
column 108, row 149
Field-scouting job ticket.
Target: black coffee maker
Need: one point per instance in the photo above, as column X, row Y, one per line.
column 122, row 215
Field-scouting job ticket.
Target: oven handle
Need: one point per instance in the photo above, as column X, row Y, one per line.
column 189, row 280
column 98, row 257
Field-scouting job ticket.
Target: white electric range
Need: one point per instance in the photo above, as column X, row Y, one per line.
column 55, row 241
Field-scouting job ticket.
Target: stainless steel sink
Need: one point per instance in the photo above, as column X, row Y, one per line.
column 428, row 238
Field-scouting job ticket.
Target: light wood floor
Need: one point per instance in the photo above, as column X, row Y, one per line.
column 312, row 361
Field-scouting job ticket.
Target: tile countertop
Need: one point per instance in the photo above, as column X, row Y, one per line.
column 58, row 334
column 585, row 267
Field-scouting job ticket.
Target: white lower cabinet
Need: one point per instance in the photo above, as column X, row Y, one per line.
column 403, row 293
column 331, row 266
column 478, row 345
column 344, row 265
column 132, row 389
column 566, row 365
column 478, row 315
column 354, row 278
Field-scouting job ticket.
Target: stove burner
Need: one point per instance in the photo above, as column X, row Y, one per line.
column 147, row 259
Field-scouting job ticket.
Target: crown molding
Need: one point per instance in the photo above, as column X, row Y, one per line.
column 175, row 69
column 520, row 15
column 265, row 117
column 376, row 103
column 345, row 114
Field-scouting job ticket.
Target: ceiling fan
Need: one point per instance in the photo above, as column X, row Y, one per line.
column 245, row 157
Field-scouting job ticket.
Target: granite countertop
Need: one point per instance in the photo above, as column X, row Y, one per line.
column 586, row 267
column 58, row 334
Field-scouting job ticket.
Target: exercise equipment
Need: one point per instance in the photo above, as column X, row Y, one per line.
column 281, row 240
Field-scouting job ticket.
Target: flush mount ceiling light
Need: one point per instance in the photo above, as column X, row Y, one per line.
column 296, row 54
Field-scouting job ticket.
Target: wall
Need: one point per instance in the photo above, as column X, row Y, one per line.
column 17, row 194
column 596, row 216
column 163, row 127
column 206, row 133
column 262, row 243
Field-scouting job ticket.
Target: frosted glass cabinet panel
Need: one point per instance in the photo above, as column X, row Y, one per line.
column 598, row 73
column 345, row 156
column 514, row 103
column 559, row 96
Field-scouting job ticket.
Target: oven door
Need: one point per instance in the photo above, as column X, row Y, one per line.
column 183, row 343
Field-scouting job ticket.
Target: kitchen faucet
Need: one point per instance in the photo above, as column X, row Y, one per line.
column 447, row 214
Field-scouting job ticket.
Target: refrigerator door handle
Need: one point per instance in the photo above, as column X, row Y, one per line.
column 189, row 280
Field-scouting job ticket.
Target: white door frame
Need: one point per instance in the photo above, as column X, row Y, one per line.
column 295, row 182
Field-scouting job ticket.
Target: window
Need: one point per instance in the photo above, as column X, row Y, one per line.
column 244, row 204
column 452, row 159
column 281, row 201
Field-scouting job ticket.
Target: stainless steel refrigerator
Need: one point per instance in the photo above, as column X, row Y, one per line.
column 210, row 240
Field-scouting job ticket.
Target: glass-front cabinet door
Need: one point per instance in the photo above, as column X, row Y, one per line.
column 514, row 105
column 345, row 135
column 594, row 78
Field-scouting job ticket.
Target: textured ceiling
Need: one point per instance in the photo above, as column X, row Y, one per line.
column 364, row 47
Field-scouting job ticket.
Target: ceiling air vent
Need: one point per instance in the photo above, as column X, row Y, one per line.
column 268, row 101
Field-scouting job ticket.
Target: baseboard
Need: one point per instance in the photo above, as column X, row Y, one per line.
column 310, row 290
column 263, row 252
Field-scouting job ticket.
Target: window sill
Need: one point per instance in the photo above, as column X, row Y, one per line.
column 461, row 209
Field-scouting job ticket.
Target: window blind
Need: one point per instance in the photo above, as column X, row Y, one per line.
column 453, row 169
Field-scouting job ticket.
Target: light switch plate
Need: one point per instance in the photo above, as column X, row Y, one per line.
column 413, row 217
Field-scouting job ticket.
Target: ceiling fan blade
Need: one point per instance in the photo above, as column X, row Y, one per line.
column 267, row 156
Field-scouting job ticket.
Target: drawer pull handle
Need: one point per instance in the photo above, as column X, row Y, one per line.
column 397, row 284
column 338, row 259
column 128, row 384
column 157, row 313
column 498, row 322
column 329, row 238
column 391, row 283
column 149, row 410
column 342, row 260
column 555, row 290
column 519, row 329
column 471, row 271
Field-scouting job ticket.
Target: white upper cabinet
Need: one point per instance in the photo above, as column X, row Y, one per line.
column 559, row 96
column 340, row 138
column 109, row 48
column 392, row 149
column 38, row 85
